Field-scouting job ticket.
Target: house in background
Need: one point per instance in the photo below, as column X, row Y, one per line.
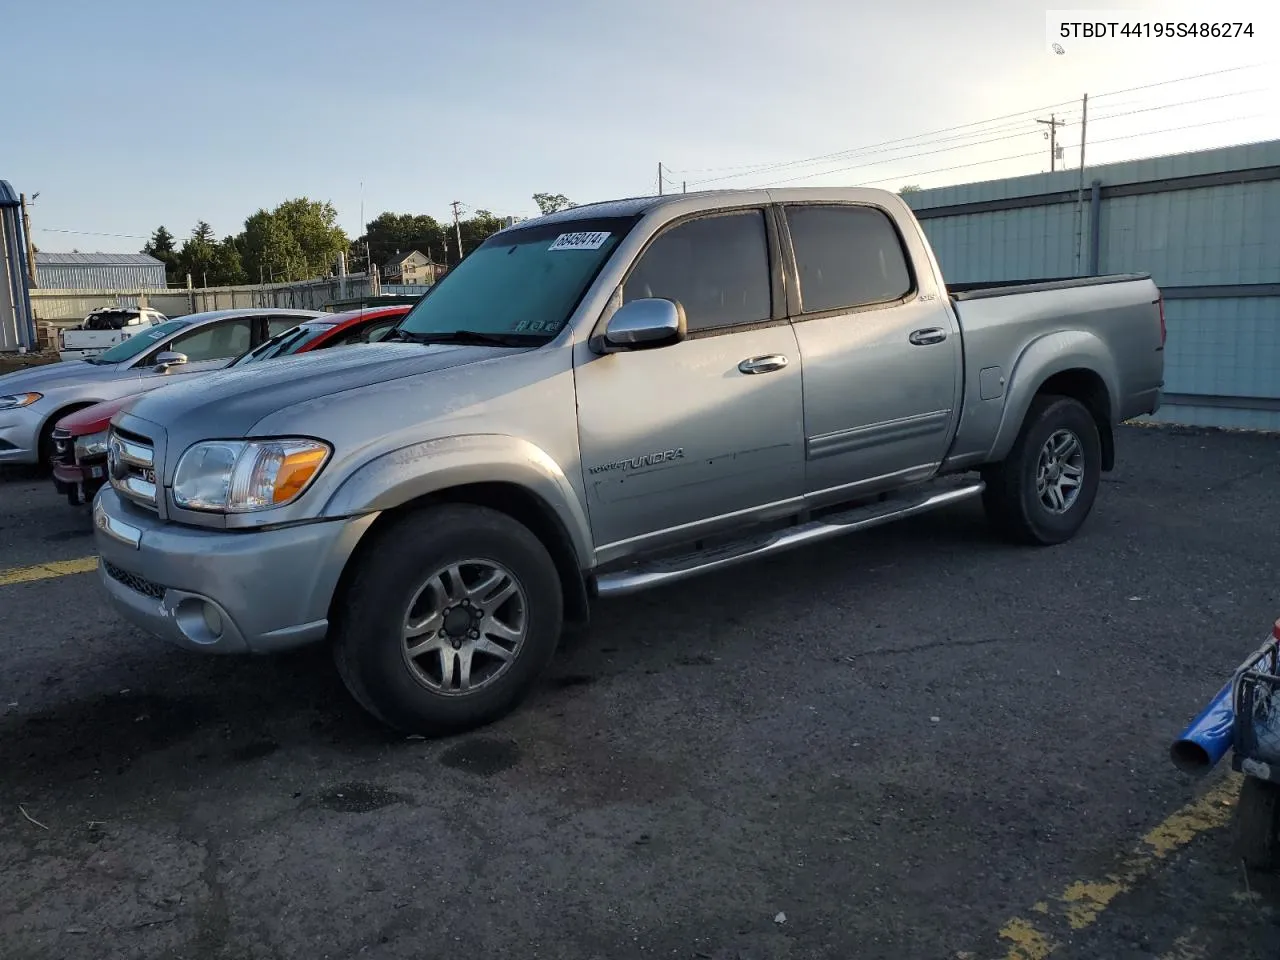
column 99, row 271
column 413, row 267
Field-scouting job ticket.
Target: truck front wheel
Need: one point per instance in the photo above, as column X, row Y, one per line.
column 1043, row 491
column 452, row 614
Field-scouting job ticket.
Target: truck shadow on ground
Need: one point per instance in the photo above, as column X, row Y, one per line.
column 171, row 715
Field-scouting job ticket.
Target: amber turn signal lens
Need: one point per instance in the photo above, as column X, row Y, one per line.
column 296, row 470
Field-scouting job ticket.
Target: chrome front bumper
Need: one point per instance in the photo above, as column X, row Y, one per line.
column 219, row 591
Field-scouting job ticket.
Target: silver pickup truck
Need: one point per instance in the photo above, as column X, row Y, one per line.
column 599, row 401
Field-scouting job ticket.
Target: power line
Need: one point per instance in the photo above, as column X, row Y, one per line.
column 912, row 156
column 1037, row 153
column 91, row 233
column 905, row 141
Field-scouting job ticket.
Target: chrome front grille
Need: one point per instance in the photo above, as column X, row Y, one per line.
column 131, row 466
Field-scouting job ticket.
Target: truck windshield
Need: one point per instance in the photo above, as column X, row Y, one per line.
column 522, row 282
column 138, row 343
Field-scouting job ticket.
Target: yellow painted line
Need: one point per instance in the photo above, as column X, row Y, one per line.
column 1082, row 902
column 44, row 571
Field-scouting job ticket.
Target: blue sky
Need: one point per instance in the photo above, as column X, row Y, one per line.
column 130, row 114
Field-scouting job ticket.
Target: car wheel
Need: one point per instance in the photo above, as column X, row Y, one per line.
column 1044, row 490
column 452, row 614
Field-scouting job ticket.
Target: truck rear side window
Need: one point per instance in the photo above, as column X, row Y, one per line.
column 847, row 256
column 716, row 267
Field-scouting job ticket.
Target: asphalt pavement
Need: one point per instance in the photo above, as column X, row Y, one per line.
column 915, row 743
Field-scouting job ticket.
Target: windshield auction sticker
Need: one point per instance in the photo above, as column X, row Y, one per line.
column 580, row 241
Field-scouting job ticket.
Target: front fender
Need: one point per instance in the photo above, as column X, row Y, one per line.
column 395, row 478
column 1042, row 358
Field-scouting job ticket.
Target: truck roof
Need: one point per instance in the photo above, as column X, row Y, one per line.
column 638, row 206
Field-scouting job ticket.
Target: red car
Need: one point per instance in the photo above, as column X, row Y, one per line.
column 80, row 438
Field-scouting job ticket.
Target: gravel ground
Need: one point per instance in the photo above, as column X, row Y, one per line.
column 895, row 746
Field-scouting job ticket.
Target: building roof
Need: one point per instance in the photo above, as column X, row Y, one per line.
column 97, row 260
column 400, row 258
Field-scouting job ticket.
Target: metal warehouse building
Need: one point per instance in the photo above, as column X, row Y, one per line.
column 1205, row 225
column 98, row 271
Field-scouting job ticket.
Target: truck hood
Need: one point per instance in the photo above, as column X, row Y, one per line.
column 227, row 403
column 60, row 373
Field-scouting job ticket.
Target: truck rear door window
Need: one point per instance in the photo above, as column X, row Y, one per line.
column 846, row 256
column 716, row 267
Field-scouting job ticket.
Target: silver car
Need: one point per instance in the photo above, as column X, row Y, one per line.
column 32, row 401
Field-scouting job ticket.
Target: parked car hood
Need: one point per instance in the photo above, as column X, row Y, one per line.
column 227, row 403
column 95, row 418
column 60, row 373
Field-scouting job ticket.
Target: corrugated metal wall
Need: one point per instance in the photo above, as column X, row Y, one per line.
column 115, row 276
column 1205, row 225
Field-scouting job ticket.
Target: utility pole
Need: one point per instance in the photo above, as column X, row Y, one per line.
column 31, row 249
column 659, row 178
column 457, row 227
column 1079, row 217
column 684, row 186
column 1054, row 124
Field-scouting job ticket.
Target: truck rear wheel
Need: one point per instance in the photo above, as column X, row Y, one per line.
column 453, row 613
column 1044, row 490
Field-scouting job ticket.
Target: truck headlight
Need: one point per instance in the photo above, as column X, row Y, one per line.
column 16, row 400
column 91, row 445
column 241, row 476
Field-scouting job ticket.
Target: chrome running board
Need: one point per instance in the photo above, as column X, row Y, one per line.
column 653, row 573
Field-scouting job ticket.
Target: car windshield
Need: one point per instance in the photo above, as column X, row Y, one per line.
column 524, row 282
column 138, row 343
column 284, row 343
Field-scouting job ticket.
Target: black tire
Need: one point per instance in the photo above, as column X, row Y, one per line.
column 1012, row 502
column 1257, row 823
column 368, row 636
column 44, row 449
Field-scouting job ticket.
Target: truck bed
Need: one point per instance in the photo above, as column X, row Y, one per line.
column 1001, row 288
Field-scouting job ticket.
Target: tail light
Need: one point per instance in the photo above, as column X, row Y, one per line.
column 1164, row 332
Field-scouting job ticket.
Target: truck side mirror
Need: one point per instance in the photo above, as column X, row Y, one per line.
column 646, row 323
column 168, row 360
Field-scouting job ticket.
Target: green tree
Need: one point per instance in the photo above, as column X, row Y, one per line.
column 313, row 225
column 226, row 268
column 196, row 258
column 392, row 233
column 268, row 251
column 552, row 202
column 909, row 188
column 161, row 246
column 475, row 230
column 298, row 240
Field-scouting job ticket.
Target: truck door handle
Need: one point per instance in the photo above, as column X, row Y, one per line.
column 765, row 364
column 927, row 336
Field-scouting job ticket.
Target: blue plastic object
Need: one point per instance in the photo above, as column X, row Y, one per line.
column 1208, row 737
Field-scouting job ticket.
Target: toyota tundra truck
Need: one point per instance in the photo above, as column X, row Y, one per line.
column 603, row 400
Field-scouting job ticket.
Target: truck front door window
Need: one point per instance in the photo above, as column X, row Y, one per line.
column 716, row 267
column 846, row 256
